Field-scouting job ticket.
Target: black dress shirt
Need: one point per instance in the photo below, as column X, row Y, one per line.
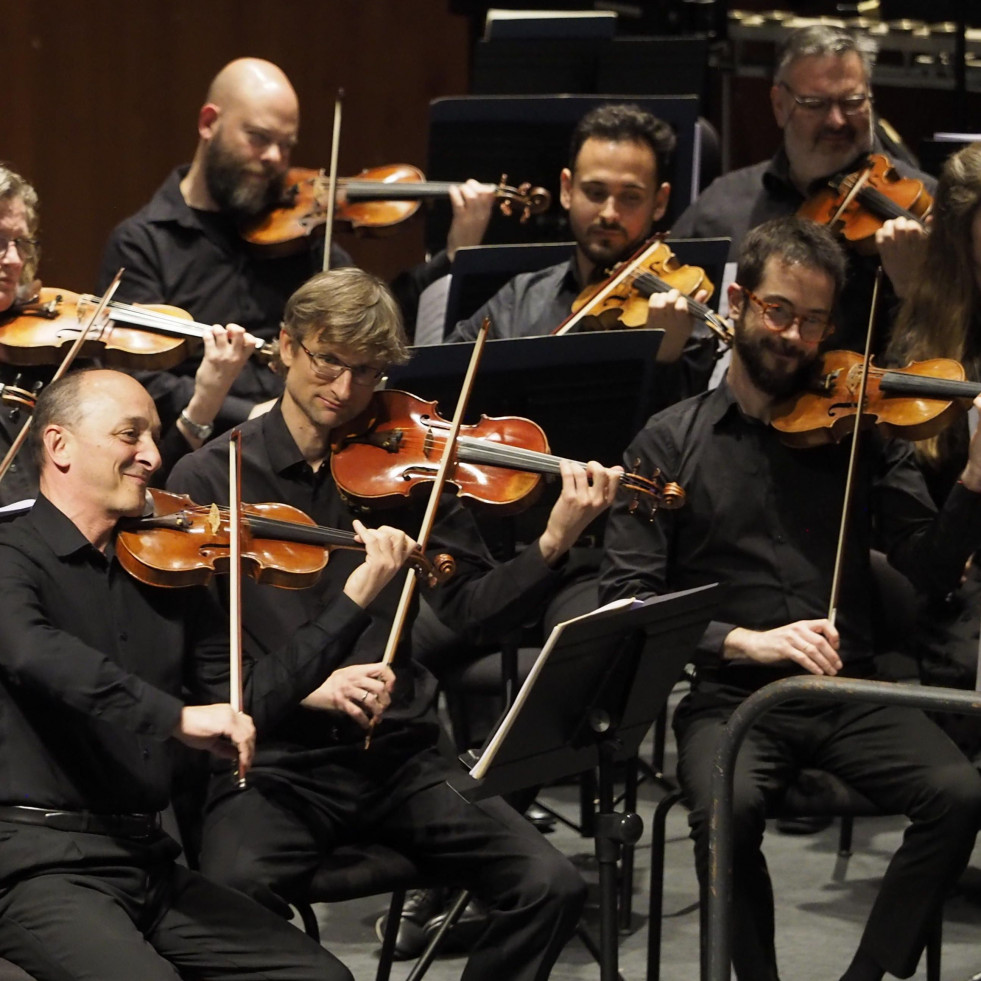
column 92, row 666
column 763, row 518
column 480, row 592
column 197, row 260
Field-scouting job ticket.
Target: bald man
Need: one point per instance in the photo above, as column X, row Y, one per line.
column 101, row 677
column 184, row 247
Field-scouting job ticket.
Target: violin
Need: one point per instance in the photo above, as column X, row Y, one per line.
column 38, row 331
column 856, row 205
column 620, row 301
column 915, row 402
column 185, row 544
column 385, row 454
column 374, row 202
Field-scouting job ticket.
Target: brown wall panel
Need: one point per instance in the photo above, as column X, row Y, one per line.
column 107, row 93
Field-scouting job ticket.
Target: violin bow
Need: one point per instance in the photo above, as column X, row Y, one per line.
column 66, row 362
column 853, row 456
column 332, row 179
column 235, row 582
column 447, row 459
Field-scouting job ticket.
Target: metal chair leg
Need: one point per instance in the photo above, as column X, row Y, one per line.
column 428, row 955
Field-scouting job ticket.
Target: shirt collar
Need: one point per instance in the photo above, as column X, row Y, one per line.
column 776, row 177
column 280, row 445
column 57, row 529
column 169, row 207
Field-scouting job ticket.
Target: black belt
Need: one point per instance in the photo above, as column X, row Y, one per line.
column 114, row 825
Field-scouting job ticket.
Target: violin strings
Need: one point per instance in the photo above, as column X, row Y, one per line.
column 476, row 450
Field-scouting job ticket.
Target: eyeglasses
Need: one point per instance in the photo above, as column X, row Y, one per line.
column 778, row 316
column 329, row 368
column 850, row 105
column 26, row 247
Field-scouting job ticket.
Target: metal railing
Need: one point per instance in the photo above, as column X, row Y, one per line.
column 718, row 936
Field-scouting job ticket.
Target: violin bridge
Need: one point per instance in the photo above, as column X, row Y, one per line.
column 214, row 520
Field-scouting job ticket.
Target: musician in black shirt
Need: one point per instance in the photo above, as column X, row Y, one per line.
column 92, row 665
column 763, row 518
column 315, row 786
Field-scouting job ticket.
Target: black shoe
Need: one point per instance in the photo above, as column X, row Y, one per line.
column 460, row 937
column 543, row 820
column 803, row 824
column 420, row 906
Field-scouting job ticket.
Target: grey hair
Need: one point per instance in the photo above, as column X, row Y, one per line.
column 823, row 39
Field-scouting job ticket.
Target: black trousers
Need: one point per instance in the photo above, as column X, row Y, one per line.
column 268, row 840
column 95, row 908
column 895, row 756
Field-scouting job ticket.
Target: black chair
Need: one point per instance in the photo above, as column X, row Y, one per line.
column 815, row 793
column 356, row 871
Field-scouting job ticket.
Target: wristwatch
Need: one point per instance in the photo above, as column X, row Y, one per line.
column 200, row 430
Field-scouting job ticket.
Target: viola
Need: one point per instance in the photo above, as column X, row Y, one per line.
column 385, row 454
column 620, row 301
column 185, row 544
column 915, row 402
column 856, row 205
column 133, row 336
column 375, row 202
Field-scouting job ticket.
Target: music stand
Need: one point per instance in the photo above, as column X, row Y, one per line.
column 597, row 687
column 479, row 271
column 527, row 137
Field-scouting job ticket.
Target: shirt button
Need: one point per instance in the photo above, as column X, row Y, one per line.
column 146, row 754
column 123, row 635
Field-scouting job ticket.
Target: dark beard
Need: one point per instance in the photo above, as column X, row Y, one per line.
column 776, row 384
column 239, row 200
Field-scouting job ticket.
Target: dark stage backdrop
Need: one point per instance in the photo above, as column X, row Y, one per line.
column 102, row 98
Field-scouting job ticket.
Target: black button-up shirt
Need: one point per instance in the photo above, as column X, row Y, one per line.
column 763, row 519
column 198, row 260
column 93, row 663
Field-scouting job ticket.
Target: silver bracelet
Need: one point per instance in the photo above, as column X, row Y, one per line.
column 200, row 430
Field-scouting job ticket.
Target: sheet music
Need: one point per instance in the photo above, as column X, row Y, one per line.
column 487, row 757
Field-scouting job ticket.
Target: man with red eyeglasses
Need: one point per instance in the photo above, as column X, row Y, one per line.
column 763, row 518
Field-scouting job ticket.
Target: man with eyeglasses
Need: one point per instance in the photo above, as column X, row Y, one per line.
column 822, row 101
column 763, row 519
column 314, row 785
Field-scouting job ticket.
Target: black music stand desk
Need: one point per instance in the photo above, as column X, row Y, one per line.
column 596, row 688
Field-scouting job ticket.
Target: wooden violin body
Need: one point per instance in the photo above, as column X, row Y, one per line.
column 620, row 301
column 395, row 447
column 915, row 402
column 375, row 202
column 855, row 206
column 132, row 336
column 184, row 544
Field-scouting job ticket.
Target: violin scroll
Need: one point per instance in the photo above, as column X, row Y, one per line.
column 651, row 493
column 533, row 200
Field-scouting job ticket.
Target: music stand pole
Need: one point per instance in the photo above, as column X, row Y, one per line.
column 598, row 685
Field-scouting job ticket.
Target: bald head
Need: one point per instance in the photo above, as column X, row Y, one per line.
column 250, row 81
column 95, row 436
column 247, row 129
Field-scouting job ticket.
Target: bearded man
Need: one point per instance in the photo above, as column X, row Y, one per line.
column 762, row 518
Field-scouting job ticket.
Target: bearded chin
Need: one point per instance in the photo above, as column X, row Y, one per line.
column 240, row 200
column 777, row 383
